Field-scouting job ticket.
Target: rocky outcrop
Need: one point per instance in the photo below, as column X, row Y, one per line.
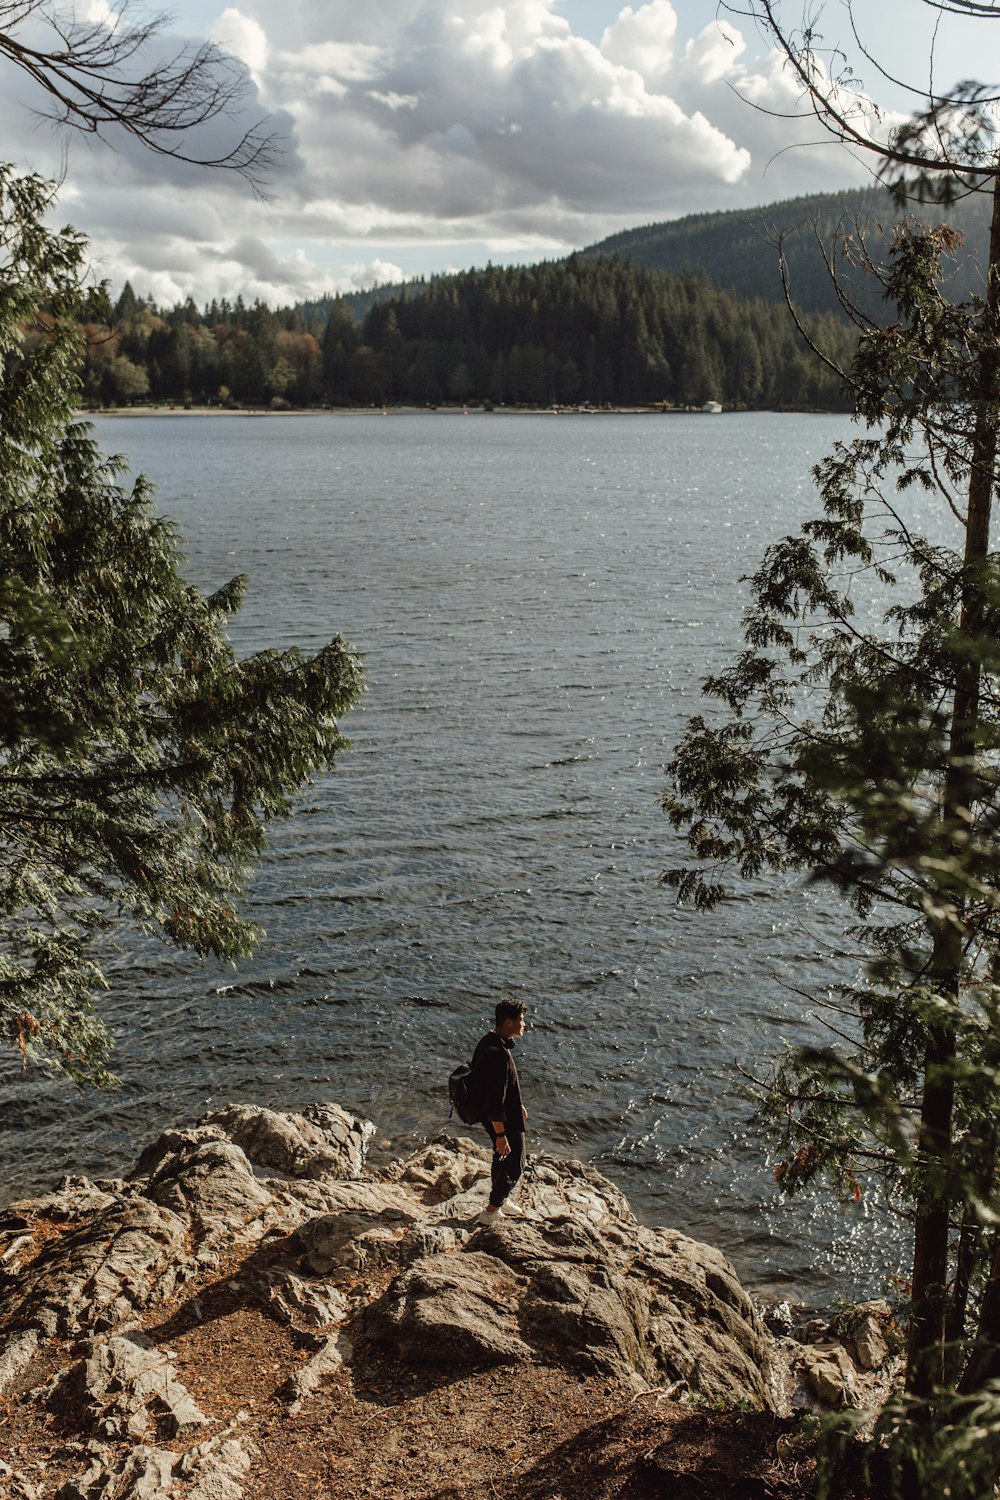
column 214, row 1470
column 602, row 1294
column 124, row 1387
column 351, row 1262
column 854, row 1361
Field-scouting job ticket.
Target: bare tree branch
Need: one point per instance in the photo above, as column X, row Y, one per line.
column 952, row 139
column 97, row 79
column 984, row 9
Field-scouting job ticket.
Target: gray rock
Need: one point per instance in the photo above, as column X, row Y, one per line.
column 451, row 1311
column 92, row 1484
column 353, row 1241
column 575, row 1281
column 127, row 1388
column 73, row 1198
column 591, row 1286
column 430, row 1239
column 123, row 1258
column 705, row 1327
column 594, row 1317
column 554, row 1188
column 296, row 1299
column 870, row 1348
column 329, row 1358
column 15, row 1486
column 16, row 1355
column 441, row 1172
column 214, row 1470
column 217, row 1468
column 862, row 1330
column 173, row 1143
column 213, row 1188
column 323, row 1141
column 830, row 1374
column 145, row 1474
column 647, row 1306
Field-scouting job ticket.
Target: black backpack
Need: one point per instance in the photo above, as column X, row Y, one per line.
column 464, row 1095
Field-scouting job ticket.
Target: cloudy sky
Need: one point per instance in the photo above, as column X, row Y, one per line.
column 426, row 135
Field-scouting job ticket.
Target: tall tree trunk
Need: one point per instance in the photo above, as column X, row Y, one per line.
column 929, row 1295
column 966, row 1262
column 928, row 1319
column 984, row 1361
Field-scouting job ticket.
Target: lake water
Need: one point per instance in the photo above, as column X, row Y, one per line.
column 537, row 600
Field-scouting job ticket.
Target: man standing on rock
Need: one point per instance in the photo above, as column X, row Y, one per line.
column 503, row 1113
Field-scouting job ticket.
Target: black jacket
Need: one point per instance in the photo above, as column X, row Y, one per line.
column 497, row 1082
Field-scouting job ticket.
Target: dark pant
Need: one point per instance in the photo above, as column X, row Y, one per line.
column 506, row 1169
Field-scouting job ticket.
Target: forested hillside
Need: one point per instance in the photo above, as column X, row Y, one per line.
column 601, row 331
column 737, row 250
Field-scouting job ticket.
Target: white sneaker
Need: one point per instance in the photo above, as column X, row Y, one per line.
column 508, row 1211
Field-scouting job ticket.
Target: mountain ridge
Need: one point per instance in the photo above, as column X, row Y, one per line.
column 738, row 249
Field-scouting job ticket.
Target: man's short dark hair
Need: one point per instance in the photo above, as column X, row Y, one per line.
column 509, row 1010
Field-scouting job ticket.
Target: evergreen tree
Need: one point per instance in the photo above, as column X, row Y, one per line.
column 127, row 304
column 340, row 340
column 140, row 761
column 871, row 757
column 631, row 335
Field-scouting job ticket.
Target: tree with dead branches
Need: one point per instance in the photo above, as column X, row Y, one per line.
column 118, row 74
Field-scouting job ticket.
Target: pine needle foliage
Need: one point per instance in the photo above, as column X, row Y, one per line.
column 864, row 747
column 140, row 760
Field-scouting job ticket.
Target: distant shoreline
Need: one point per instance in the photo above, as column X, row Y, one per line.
column 392, row 411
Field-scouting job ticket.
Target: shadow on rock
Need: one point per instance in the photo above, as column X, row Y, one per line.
column 382, row 1271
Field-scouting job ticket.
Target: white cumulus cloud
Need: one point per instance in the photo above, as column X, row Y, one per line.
column 242, row 36
column 359, row 278
column 438, row 122
column 643, row 39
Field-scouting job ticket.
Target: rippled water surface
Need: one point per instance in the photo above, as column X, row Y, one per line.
column 537, row 600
